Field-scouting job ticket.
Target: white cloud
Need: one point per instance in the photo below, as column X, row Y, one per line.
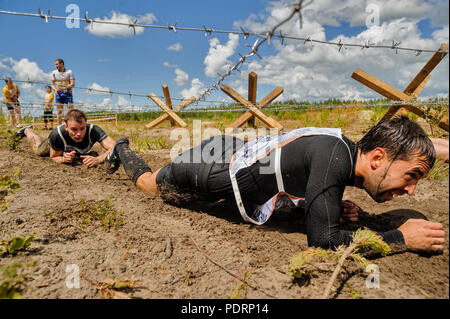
column 121, row 101
column 441, row 35
column 29, row 70
column 116, row 31
column 26, row 70
column 196, row 89
column 168, row 65
column 182, row 77
column 96, row 86
column 319, row 72
column 177, row 47
column 218, row 54
column 105, row 102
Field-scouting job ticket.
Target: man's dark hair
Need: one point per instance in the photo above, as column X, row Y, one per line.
column 401, row 138
column 48, row 86
column 75, row 115
column 60, row 61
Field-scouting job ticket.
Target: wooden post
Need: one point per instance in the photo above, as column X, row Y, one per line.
column 168, row 100
column 412, row 91
column 252, row 86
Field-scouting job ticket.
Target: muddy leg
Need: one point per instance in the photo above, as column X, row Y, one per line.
column 33, row 139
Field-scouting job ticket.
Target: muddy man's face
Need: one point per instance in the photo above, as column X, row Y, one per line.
column 76, row 130
column 396, row 178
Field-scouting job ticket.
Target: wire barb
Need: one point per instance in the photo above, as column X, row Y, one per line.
column 172, row 27
column 207, row 31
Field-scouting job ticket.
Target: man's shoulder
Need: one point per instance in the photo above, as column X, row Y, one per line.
column 55, row 139
column 320, row 145
column 55, row 133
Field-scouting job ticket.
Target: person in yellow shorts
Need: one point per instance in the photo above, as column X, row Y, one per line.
column 11, row 93
column 48, row 108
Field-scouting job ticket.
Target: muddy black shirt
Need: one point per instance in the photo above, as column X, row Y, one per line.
column 316, row 168
column 93, row 134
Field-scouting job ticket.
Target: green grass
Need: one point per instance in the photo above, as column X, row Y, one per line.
column 101, row 212
column 438, row 171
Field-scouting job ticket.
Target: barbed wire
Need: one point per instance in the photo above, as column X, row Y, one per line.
column 263, row 37
column 209, row 31
column 254, row 49
column 92, row 90
column 270, row 107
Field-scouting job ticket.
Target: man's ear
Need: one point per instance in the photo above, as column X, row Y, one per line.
column 376, row 157
column 65, row 126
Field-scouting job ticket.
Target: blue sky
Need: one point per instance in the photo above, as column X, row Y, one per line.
column 142, row 63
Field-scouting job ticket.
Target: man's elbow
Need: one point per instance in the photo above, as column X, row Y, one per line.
column 319, row 241
column 324, row 240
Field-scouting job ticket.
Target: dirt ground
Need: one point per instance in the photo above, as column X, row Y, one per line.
column 138, row 250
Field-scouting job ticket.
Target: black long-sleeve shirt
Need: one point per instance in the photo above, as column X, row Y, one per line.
column 317, row 168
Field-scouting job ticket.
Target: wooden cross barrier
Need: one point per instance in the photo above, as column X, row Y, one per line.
column 412, row 91
column 254, row 108
column 167, row 107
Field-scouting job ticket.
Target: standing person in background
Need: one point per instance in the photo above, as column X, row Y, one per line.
column 48, row 108
column 11, row 93
column 62, row 83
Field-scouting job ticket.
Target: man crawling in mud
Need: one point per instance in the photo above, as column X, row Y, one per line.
column 307, row 167
column 70, row 141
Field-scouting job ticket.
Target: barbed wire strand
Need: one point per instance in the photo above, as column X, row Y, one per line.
column 208, row 31
column 254, row 49
column 264, row 37
column 92, row 90
column 269, row 107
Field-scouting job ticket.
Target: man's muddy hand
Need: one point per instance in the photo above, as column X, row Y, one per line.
column 349, row 212
column 69, row 156
column 420, row 234
column 90, row 161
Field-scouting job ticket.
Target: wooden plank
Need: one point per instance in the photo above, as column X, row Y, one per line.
column 244, row 118
column 254, row 110
column 165, row 89
column 157, row 121
column 170, row 112
column 419, row 89
column 390, row 113
column 270, row 122
column 379, row 86
column 247, row 115
column 252, row 86
column 234, row 95
column 270, row 97
column 426, row 70
column 165, row 116
column 443, row 124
